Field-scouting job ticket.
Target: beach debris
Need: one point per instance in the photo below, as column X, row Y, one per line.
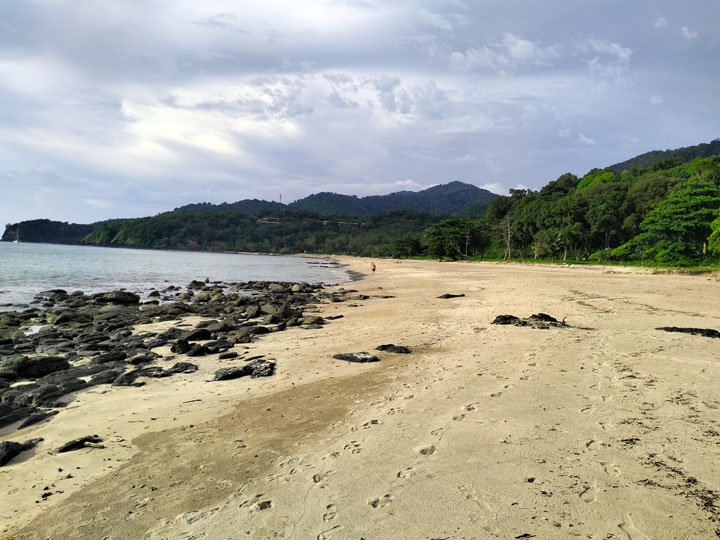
column 10, row 449
column 81, row 442
column 254, row 369
column 704, row 332
column 451, row 295
column 361, row 357
column 397, row 349
column 541, row 321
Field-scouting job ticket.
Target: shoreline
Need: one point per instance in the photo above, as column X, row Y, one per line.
column 484, row 430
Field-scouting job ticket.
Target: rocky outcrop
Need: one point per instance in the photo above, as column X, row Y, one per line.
column 541, row 321
column 360, row 357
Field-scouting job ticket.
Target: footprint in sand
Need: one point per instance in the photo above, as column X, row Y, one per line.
column 628, row 527
column 329, row 533
column 353, row 446
column 458, row 417
column 406, row 473
column 590, row 409
column 607, row 426
column 436, row 432
column 331, row 513
column 611, row 469
column 496, row 394
column 470, row 407
column 381, row 501
column 593, row 444
column 589, row 494
column 428, row 450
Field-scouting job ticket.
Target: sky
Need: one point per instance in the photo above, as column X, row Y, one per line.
column 129, row 108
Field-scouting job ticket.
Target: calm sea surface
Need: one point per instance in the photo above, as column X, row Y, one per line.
column 26, row 269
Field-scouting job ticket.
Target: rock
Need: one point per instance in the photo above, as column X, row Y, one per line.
column 361, row 357
column 704, row 332
column 507, row 320
column 450, row 295
column 254, row 369
column 181, row 346
column 198, row 334
column 141, row 358
column 33, row 368
column 541, row 321
column 182, row 367
column 36, row 418
column 106, row 377
column 110, row 356
column 198, row 350
column 398, row 349
column 117, row 297
column 77, row 444
column 10, row 449
column 228, row 355
column 128, row 379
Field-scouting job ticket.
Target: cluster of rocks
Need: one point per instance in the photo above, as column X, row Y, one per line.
column 365, row 357
column 69, row 342
column 541, row 321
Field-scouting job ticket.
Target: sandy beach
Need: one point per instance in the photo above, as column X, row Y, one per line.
column 605, row 429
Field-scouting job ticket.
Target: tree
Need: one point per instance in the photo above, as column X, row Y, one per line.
column 456, row 238
column 679, row 227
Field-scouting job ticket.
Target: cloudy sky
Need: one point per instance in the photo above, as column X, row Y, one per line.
column 123, row 108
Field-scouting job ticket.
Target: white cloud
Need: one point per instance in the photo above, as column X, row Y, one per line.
column 495, row 187
column 586, row 140
column 661, row 22
column 689, row 34
column 655, row 99
column 509, row 54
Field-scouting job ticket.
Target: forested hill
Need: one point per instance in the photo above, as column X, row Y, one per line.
column 659, row 208
column 665, row 157
column 442, row 200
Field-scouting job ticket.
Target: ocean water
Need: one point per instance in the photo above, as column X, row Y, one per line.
column 26, row 269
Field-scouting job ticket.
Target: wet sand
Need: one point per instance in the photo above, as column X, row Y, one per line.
column 606, row 429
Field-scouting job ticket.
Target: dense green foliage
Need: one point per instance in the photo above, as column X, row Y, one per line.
column 45, row 230
column 662, row 157
column 389, row 234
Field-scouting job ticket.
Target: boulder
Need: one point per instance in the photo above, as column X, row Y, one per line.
column 704, row 332
column 117, row 297
column 110, row 356
column 10, row 449
column 181, row 346
column 39, row 366
column 451, row 295
column 36, row 418
column 254, row 369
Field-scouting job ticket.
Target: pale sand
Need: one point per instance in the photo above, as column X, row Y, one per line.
column 608, row 429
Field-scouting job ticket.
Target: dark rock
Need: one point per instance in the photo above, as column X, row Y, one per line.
column 106, row 377
column 361, row 357
column 194, row 284
column 254, row 369
column 228, row 355
column 181, row 346
column 704, row 332
column 32, row 368
column 198, row 334
column 77, row 444
column 10, row 449
column 110, row 356
column 198, row 350
column 399, row 349
column 507, row 320
column 141, row 358
column 450, row 295
column 154, row 294
column 52, row 295
column 128, row 379
column 117, row 297
column 36, row 418
column 541, row 321
column 334, row 317
column 182, row 367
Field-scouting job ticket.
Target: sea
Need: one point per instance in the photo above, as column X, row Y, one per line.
column 28, row 268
